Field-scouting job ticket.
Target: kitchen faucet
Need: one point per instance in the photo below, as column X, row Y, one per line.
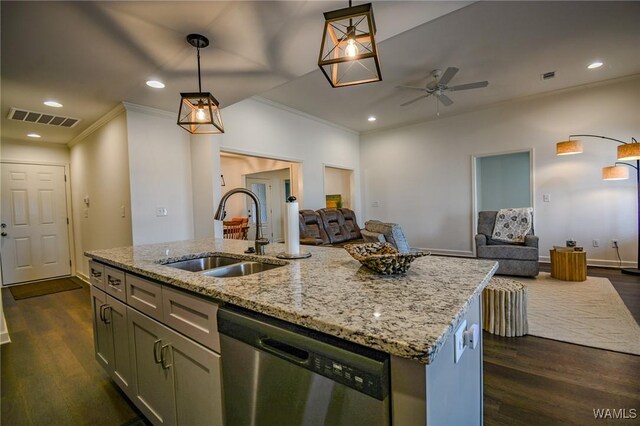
column 220, row 214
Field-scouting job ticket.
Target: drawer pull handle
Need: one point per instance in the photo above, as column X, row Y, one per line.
column 107, row 320
column 114, row 281
column 157, row 356
column 102, row 312
column 96, row 274
column 163, row 357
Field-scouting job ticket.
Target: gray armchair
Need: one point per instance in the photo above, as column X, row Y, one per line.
column 513, row 258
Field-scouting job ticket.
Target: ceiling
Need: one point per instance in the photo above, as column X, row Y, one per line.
column 90, row 56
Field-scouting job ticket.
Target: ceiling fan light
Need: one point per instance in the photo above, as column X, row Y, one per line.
column 629, row 151
column 348, row 54
column 615, row 173
column 569, row 147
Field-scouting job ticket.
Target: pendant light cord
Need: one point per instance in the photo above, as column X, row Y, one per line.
column 199, row 80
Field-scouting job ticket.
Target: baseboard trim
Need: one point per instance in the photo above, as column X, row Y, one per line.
column 83, row 278
column 604, row 263
column 4, row 334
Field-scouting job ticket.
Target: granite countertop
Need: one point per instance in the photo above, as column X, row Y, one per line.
column 408, row 315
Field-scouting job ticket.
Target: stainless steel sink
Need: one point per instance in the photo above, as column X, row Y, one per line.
column 203, row 263
column 240, row 269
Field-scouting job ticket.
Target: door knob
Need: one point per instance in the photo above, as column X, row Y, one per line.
column 3, row 225
column 4, row 234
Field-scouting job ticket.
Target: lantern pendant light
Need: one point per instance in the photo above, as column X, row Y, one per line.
column 199, row 112
column 348, row 54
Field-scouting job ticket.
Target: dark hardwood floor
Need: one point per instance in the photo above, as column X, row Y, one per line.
column 49, row 374
column 534, row 381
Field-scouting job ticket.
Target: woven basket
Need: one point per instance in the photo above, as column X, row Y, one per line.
column 383, row 257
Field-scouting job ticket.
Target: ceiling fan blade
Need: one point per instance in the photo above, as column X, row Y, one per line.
column 414, row 100
column 448, row 75
column 411, row 88
column 476, row 85
column 446, row 101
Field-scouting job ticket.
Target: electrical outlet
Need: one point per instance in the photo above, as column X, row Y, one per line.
column 614, row 243
column 596, row 243
column 458, row 341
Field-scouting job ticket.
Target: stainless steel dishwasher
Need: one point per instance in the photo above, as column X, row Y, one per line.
column 276, row 373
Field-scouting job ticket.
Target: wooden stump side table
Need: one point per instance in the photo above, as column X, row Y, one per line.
column 504, row 308
column 568, row 265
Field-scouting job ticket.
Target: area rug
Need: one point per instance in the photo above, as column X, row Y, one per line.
column 42, row 288
column 588, row 313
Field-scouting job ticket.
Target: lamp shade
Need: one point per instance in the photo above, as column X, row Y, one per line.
column 569, row 147
column 615, row 173
column 200, row 113
column 629, row 151
column 348, row 54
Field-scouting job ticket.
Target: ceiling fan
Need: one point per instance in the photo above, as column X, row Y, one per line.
column 438, row 86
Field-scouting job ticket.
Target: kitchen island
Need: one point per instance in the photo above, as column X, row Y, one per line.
column 411, row 317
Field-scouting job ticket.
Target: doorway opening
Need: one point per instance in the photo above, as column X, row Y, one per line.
column 272, row 180
column 338, row 184
column 502, row 181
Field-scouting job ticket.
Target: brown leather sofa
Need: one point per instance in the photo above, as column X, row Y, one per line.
column 329, row 227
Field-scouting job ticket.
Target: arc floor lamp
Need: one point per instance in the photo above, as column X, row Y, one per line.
column 627, row 151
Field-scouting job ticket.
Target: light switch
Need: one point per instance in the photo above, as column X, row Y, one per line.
column 85, row 213
column 375, row 204
column 458, row 341
column 161, row 211
column 546, row 198
column 472, row 336
column 122, row 211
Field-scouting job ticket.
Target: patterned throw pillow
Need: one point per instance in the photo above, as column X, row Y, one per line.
column 512, row 225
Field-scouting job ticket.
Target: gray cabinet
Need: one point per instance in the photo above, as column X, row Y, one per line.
column 111, row 337
column 176, row 381
column 168, row 374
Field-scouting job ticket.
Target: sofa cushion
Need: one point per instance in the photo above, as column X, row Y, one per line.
column 334, row 226
column 350, row 223
column 508, row 251
column 392, row 233
column 311, row 229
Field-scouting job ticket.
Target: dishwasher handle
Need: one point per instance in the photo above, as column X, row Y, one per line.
column 291, row 353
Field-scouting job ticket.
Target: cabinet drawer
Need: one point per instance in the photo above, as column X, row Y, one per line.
column 192, row 316
column 114, row 283
column 145, row 296
column 96, row 274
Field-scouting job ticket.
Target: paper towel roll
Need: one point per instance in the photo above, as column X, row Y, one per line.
column 291, row 228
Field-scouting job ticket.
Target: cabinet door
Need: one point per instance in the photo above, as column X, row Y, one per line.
column 116, row 315
column 196, row 372
column 152, row 383
column 103, row 343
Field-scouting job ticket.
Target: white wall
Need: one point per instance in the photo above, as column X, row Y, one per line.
column 160, row 176
column 260, row 127
column 338, row 181
column 420, row 175
column 100, row 170
column 35, row 152
column 206, row 188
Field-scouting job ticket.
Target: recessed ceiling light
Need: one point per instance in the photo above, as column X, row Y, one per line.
column 594, row 65
column 53, row 104
column 372, row 118
column 155, row 84
column 34, row 135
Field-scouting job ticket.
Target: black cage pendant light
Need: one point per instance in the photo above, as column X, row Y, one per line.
column 348, row 54
column 199, row 111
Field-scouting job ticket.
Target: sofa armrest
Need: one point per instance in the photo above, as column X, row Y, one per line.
column 531, row 241
column 481, row 240
column 372, row 237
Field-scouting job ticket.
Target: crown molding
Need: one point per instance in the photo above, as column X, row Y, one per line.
column 303, row 114
column 119, row 109
column 149, row 110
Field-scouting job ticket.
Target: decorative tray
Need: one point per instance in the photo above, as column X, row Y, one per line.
column 383, row 257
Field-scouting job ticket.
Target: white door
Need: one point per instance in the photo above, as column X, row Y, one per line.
column 262, row 188
column 35, row 243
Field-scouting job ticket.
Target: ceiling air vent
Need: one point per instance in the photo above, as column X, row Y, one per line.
column 42, row 118
column 548, row 75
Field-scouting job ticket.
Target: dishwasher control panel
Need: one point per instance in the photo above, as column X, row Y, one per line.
column 367, row 383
